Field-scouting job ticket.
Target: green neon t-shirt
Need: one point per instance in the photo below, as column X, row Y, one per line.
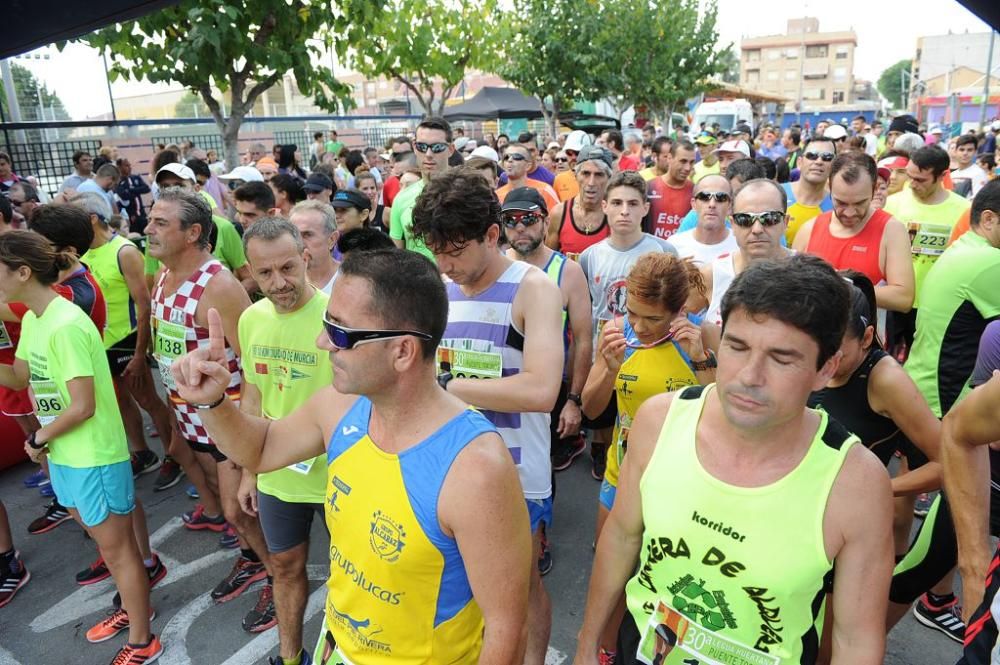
column 281, row 359
column 228, row 248
column 930, row 229
column 961, row 295
column 61, row 345
column 105, row 266
column 401, row 221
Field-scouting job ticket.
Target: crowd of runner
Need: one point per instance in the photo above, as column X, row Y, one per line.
column 776, row 345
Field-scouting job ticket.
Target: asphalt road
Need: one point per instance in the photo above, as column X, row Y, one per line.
column 46, row 622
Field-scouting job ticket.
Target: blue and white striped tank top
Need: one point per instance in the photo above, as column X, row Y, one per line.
column 482, row 342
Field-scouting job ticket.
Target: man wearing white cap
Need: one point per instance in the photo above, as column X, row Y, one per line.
column 565, row 183
column 730, row 151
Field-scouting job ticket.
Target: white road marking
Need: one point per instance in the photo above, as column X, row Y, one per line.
column 7, row 658
column 554, row 657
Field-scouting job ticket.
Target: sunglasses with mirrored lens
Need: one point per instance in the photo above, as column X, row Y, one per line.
column 347, row 338
column 511, row 220
column 514, row 157
column 766, row 218
column 825, row 156
column 720, row 197
column 436, row 148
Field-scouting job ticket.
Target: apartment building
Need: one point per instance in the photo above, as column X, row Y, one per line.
column 819, row 65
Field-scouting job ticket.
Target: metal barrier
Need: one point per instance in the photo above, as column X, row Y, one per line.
column 49, row 162
column 301, row 138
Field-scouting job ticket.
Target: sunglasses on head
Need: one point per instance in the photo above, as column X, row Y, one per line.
column 347, row 338
column 436, row 148
column 766, row 218
column 514, row 157
column 720, row 197
column 511, row 220
column 825, row 156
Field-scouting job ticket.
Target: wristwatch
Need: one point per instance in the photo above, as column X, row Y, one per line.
column 575, row 398
column 209, row 406
column 34, row 444
column 708, row 363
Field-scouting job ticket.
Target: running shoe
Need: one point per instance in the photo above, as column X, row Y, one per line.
column 192, row 492
column 598, row 459
column 37, row 479
column 46, row 490
column 565, row 453
column 922, row 506
column 605, row 657
column 305, row 658
column 229, row 540
column 12, row 580
column 155, row 573
column 133, row 655
column 196, row 520
column 947, row 618
column 93, row 573
column 111, row 625
column 170, row 474
column 244, row 573
column 53, row 517
column 143, row 462
column 545, row 557
column 262, row 616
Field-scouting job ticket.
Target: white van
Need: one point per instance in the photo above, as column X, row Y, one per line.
column 728, row 113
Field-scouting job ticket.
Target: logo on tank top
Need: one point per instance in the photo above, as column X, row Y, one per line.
column 386, row 536
column 177, row 316
column 339, row 487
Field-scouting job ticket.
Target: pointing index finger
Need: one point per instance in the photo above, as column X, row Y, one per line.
column 216, row 335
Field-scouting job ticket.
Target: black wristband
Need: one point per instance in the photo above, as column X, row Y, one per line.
column 575, row 398
column 209, row 406
column 33, row 443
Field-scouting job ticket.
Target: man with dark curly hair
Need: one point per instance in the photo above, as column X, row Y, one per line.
column 502, row 350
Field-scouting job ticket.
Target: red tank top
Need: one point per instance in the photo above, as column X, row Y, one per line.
column 859, row 252
column 572, row 239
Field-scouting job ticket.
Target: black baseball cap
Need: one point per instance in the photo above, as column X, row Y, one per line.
column 351, row 198
column 525, row 199
column 317, row 182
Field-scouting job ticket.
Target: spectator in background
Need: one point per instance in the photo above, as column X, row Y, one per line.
column 372, row 161
column 316, row 150
column 502, row 141
column 288, row 191
column 341, row 175
column 83, row 170
column 7, row 176
column 378, row 216
column 334, row 145
column 770, row 147
column 103, row 183
column 288, row 163
column 106, row 154
column 130, row 189
column 187, row 145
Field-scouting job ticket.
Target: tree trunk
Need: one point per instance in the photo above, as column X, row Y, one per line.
column 231, row 141
column 554, row 118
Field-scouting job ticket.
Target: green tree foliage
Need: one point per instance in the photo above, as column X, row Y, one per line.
column 729, row 65
column 895, row 82
column 36, row 102
column 240, row 48
column 656, row 55
column 427, row 46
column 546, row 53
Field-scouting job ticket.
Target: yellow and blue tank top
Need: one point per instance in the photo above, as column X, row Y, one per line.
column 398, row 591
column 644, row 373
column 731, row 574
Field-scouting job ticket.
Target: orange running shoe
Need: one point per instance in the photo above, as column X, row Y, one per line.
column 113, row 624
column 130, row 655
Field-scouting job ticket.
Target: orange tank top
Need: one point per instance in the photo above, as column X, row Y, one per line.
column 859, row 252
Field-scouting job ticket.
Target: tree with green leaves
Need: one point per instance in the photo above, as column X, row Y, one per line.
column 657, row 55
column 894, row 83
column 427, row 46
column 241, row 49
column 36, row 102
column 192, row 106
column 729, row 65
column 547, row 53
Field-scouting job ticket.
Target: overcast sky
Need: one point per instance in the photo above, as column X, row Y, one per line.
column 887, row 32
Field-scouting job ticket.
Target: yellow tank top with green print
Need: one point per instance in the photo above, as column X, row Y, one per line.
column 731, row 574
column 398, row 590
column 644, row 373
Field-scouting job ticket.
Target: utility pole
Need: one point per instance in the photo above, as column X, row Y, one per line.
column 986, row 85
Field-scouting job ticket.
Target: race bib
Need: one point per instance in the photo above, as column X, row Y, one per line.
column 670, row 637
column 928, row 239
column 169, row 345
column 472, row 364
column 48, row 402
column 5, row 342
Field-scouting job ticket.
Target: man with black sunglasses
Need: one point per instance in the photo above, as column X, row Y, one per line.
column 516, row 162
column 422, row 500
column 433, row 148
column 503, row 346
column 809, row 195
column 759, row 222
column 710, row 238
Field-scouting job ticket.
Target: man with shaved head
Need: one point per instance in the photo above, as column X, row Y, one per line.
column 711, row 238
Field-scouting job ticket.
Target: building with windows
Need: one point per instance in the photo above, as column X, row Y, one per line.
column 816, row 66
